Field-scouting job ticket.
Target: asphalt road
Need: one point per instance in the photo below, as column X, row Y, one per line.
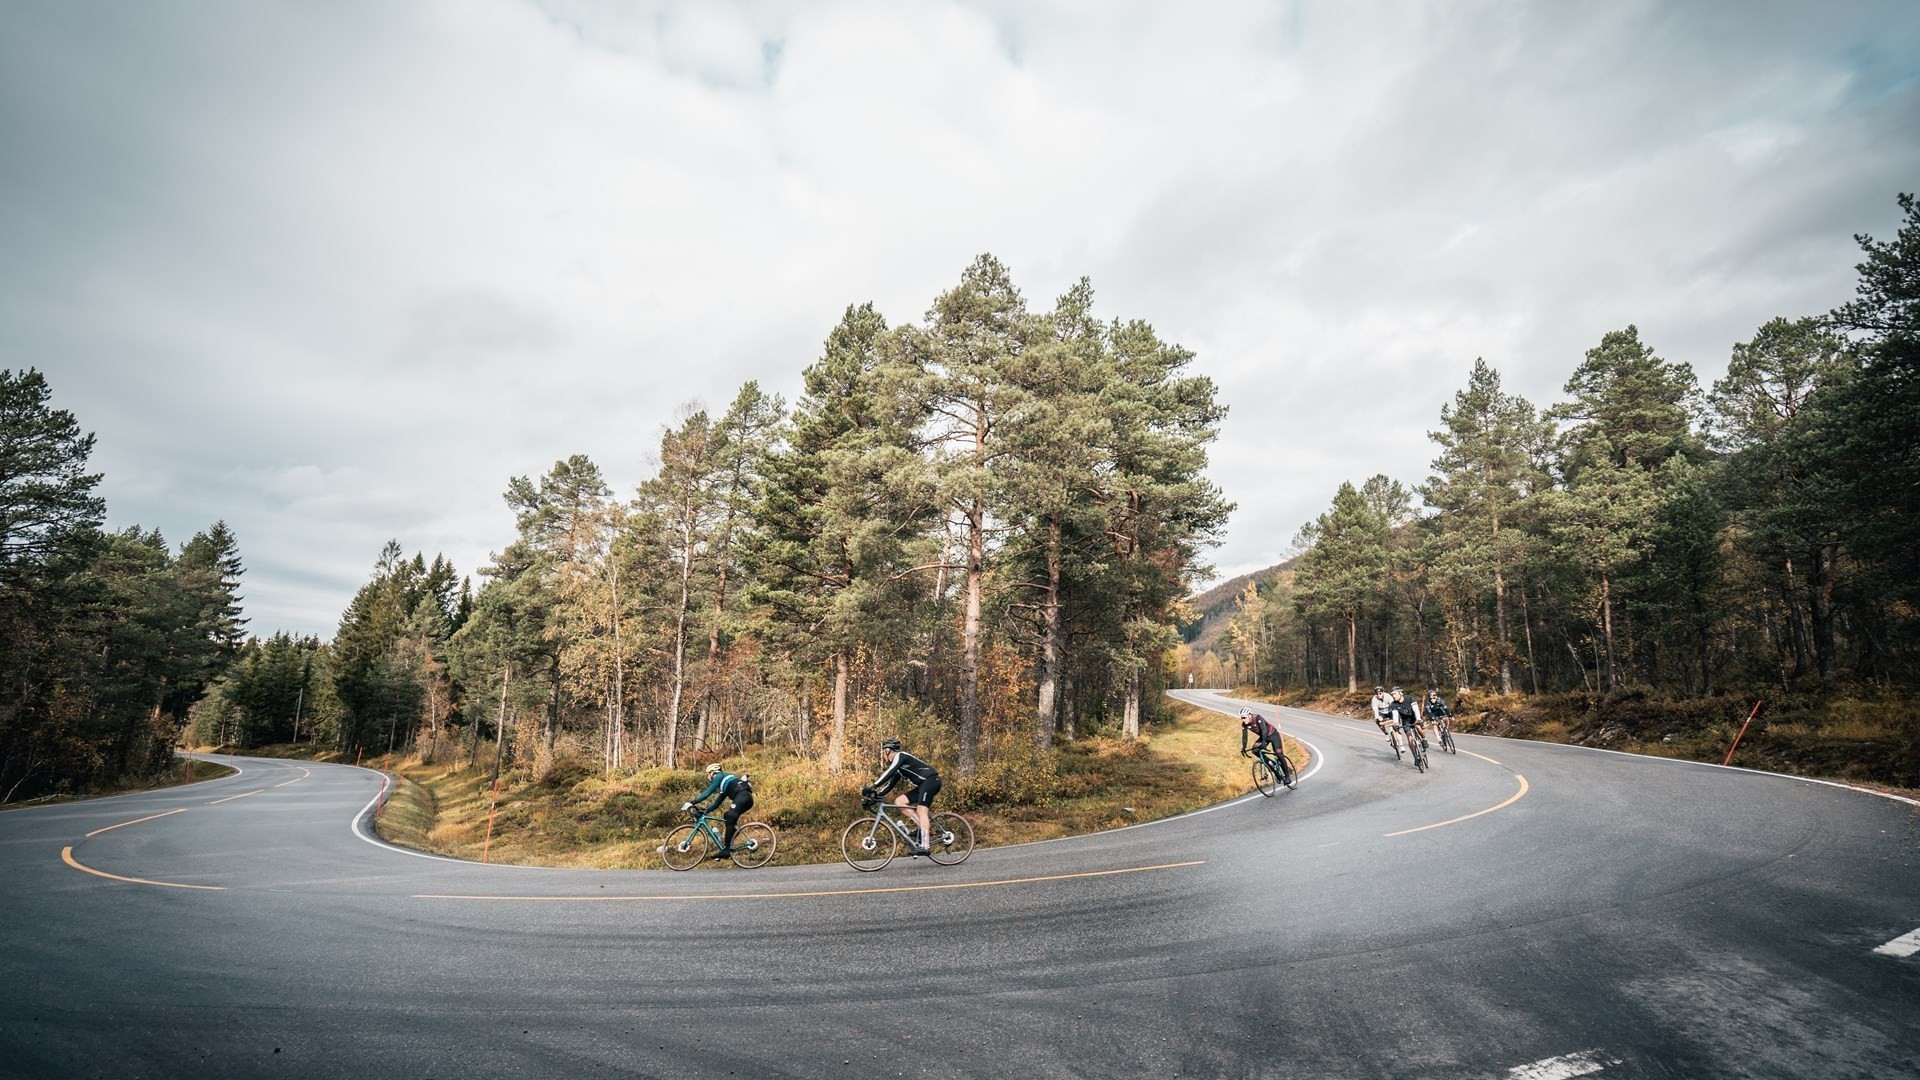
column 1523, row 910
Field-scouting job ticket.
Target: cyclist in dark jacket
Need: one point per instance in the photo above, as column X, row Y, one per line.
column 926, row 784
column 722, row 784
column 1406, row 714
column 1265, row 733
column 1437, row 706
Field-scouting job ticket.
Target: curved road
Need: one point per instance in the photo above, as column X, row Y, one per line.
column 1524, row 910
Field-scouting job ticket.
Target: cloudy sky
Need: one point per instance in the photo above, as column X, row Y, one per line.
column 335, row 272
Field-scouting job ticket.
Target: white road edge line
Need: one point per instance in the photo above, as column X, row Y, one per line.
column 1620, row 753
column 1905, row 945
column 1579, row 1063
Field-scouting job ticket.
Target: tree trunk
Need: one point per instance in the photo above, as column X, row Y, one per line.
column 1606, row 629
column 1820, row 593
column 1353, row 668
column 837, row 739
column 970, row 636
column 1130, row 713
column 500, row 726
column 1526, row 621
column 1044, row 714
column 1500, row 611
column 680, row 649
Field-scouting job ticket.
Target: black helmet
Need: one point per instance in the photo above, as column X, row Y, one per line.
column 890, row 744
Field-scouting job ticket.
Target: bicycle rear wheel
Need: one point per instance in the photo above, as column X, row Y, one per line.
column 1289, row 772
column 952, row 839
column 753, row 845
column 1263, row 779
column 686, row 847
column 867, row 844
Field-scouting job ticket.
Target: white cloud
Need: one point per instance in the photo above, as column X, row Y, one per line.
column 335, row 276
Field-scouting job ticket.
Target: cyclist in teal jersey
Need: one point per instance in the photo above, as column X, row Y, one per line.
column 722, row 784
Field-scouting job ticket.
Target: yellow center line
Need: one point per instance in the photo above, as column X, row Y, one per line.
column 242, row 795
column 1482, row 757
column 825, row 892
column 303, row 775
column 136, row 821
column 1514, row 798
column 66, row 855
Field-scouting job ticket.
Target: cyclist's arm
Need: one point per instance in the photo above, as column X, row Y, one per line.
column 712, row 786
column 884, row 783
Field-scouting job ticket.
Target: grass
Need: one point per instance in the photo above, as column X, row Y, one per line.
column 577, row 816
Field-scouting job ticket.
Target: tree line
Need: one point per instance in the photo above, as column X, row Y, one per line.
column 107, row 638
column 974, row 530
column 1643, row 531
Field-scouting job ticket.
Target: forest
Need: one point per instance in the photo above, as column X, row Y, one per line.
column 1644, row 532
column 975, row 531
column 979, row 531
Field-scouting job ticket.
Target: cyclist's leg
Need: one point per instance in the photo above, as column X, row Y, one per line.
column 732, row 818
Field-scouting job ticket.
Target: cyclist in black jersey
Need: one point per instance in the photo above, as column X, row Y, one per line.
column 1265, row 733
column 1437, row 706
column 722, row 784
column 1406, row 714
column 926, row 784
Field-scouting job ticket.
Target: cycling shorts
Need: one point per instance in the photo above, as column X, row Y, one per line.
column 924, row 793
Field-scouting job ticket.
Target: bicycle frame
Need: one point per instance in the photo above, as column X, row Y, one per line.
column 894, row 822
column 1275, row 761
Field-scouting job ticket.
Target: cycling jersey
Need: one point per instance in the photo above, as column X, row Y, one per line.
column 1380, row 703
column 725, row 785
column 1264, row 733
column 906, row 767
column 1404, row 713
column 1437, row 708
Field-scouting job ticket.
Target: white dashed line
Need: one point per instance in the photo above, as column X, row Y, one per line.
column 1905, row 945
column 1581, row 1063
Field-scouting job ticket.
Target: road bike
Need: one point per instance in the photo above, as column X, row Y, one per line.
column 1270, row 770
column 1418, row 747
column 870, row 843
column 1391, row 740
column 692, row 844
column 1445, row 727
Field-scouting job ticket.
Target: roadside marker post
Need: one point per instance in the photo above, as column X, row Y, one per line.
column 491, row 804
column 1742, row 731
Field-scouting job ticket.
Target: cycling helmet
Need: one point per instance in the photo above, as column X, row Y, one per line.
column 1397, row 690
column 890, row 744
column 1379, row 689
column 713, row 768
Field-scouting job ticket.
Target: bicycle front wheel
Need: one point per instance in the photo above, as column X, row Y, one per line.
column 1419, row 755
column 686, row 846
column 753, row 845
column 1446, row 740
column 952, row 839
column 1263, row 778
column 868, row 844
column 1395, row 740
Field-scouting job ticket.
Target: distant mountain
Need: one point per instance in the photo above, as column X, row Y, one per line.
column 1215, row 605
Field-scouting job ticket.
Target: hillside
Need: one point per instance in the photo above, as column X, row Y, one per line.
column 1215, row 606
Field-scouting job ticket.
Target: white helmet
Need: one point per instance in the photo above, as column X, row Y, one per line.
column 713, row 768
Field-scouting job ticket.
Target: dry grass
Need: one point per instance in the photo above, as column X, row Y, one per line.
column 576, row 816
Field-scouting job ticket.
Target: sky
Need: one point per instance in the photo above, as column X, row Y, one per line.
column 334, row 273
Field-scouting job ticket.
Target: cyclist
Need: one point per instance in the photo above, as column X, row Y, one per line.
column 1406, row 714
column 722, row 784
column 1381, row 699
column 926, row 784
column 1265, row 733
column 1438, row 714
